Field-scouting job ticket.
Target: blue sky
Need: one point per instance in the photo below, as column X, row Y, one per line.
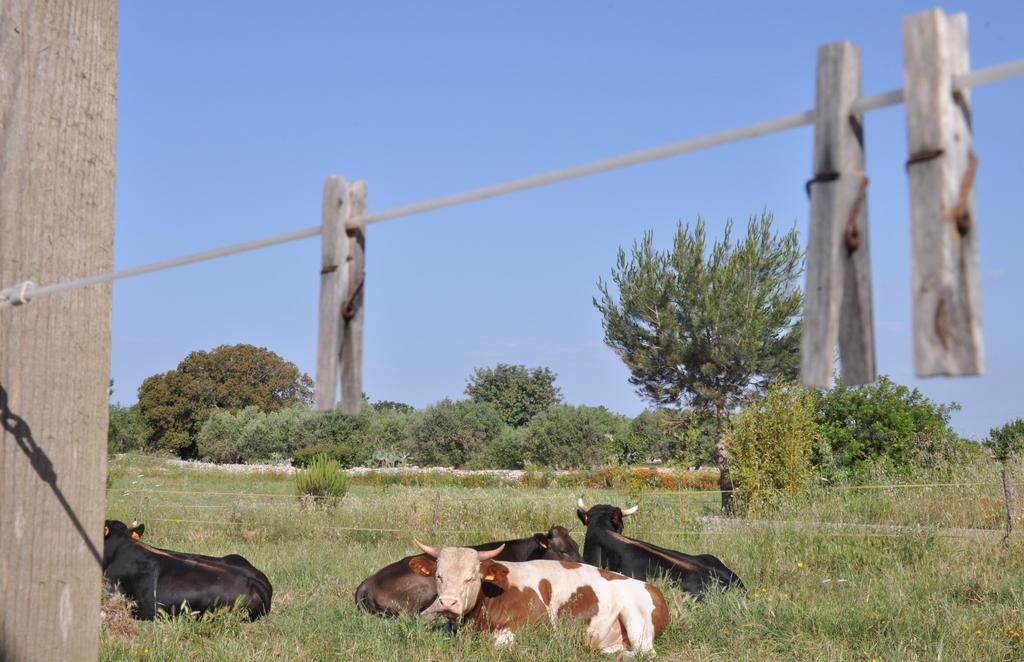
column 231, row 114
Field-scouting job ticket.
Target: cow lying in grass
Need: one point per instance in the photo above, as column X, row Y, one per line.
column 607, row 547
column 397, row 589
column 620, row 613
column 157, row 579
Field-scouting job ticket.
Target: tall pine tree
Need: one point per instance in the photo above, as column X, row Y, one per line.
column 706, row 327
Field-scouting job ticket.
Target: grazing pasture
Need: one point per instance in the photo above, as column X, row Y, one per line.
column 945, row 590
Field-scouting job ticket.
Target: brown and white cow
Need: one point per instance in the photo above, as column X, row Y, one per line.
column 620, row 613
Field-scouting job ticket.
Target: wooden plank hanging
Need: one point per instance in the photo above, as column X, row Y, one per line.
column 837, row 304
column 941, row 167
column 352, row 307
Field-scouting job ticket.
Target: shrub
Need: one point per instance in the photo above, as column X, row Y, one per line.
column 127, row 429
column 1007, row 441
column 452, row 433
column 770, row 441
column 323, row 480
column 570, row 437
column 341, row 453
column 272, row 436
column 884, row 424
column 220, row 438
column 251, row 435
column 508, row 451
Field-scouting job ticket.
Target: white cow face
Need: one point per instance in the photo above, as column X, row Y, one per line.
column 458, row 573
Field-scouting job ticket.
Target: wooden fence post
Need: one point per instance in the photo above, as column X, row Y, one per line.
column 944, row 226
column 340, row 328
column 837, row 304
column 332, row 264
column 58, row 95
column 352, row 307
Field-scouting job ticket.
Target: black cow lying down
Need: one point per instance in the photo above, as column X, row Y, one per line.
column 606, row 547
column 160, row 579
column 397, row 589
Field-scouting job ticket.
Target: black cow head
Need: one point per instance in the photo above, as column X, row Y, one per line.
column 558, row 545
column 603, row 516
column 115, row 534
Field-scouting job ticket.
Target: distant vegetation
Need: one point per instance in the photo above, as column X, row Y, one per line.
column 176, row 404
column 784, row 439
column 709, row 330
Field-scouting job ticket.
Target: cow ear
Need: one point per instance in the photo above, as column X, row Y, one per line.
column 492, row 572
column 541, row 540
column 106, row 531
column 423, row 565
column 137, row 531
column 582, row 514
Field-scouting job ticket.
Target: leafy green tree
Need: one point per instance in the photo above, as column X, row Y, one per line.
column 706, row 326
column 228, row 378
column 884, row 423
column 518, row 393
column 127, row 429
column 392, row 406
column 1007, row 441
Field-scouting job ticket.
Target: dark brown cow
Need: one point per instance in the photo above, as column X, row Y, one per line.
column 396, row 589
column 620, row 613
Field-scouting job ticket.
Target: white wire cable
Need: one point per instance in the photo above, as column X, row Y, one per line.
column 592, row 168
column 24, row 292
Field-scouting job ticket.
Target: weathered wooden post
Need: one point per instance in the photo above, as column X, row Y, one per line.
column 352, row 307
column 941, row 168
column 58, row 87
column 837, row 303
column 340, row 330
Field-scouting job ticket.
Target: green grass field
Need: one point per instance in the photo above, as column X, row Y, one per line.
column 843, row 594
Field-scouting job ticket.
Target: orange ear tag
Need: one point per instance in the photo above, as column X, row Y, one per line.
column 489, row 578
column 106, row 530
column 135, row 535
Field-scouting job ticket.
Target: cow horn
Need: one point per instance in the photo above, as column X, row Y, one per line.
column 489, row 554
column 427, row 549
column 582, row 506
column 629, row 511
column 134, row 524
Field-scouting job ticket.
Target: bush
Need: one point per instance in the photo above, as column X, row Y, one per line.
column 882, row 425
column 127, row 429
column 251, row 435
column 221, row 437
column 453, row 433
column 341, row 453
column 1006, row 442
column 668, row 436
column 570, row 437
column 770, row 441
column 508, row 451
column 272, row 436
column 323, row 480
